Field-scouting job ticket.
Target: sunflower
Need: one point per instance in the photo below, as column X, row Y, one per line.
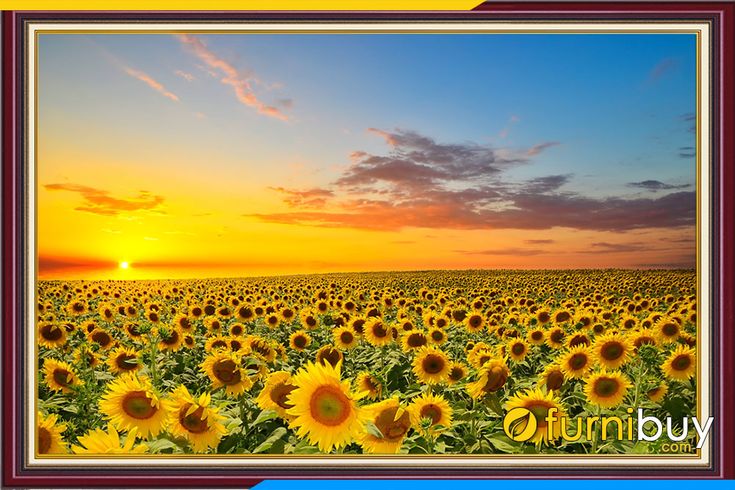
column 681, row 363
column 431, row 365
column 555, row 338
column 131, row 403
column 377, row 333
column 432, row 407
column 437, row 336
column 101, row 337
column 553, row 377
column 644, row 336
column 272, row 320
column 576, row 363
column 60, row 376
column 299, row 340
column 344, row 337
column 171, row 338
column 123, row 360
column 189, row 341
column 183, row 322
column 474, row 322
column 97, row 441
column 51, row 335
column 657, row 393
column 667, row 330
column 490, row 378
column 517, row 350
column 457, row 372
column 536, row 336
column 324, row 408
column 628, row 322
column 274, row 395
column 416, row 339
column 366, row 382
column 224, row 369
column 132, row 330
column 327, row 354
column 85, row 356
column 193, row 419
column 213, row 324
column 49, row 435
column 262, row 348
column 77, row 307
column 309, row 319
column 392, row 421
column 538, row 404
column 578, row 339
column 543, row 316
column 216, row 342
column 606, row 389
column 611, row 350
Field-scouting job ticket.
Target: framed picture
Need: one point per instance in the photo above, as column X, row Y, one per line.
column 247, row 245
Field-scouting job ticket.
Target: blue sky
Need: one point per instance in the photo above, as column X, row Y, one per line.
column 610, row 114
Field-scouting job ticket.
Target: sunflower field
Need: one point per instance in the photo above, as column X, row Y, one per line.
column 389, row 363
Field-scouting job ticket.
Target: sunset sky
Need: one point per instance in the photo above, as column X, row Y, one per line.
column 239, row 155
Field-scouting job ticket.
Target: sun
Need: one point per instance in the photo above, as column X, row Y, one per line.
column 124, row 265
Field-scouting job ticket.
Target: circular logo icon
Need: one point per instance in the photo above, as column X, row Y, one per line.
column 520, row 424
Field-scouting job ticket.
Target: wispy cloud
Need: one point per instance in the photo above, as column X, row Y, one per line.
column 514, row 251
column 662, row 68
column 657, row 185
column 185, row 75
column 230, row 76
column 422, row 183
column 536, row 149
column 98, row 201
column 148, row 80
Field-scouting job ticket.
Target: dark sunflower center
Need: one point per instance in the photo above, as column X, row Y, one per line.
column 537, row 335
column 563, row 316
column 540, row 412
column 51, row 332
column 209, row 310
column 606, row 387
column 578, row 361
column 279, row 395
column 153, row 316
column 62, row 377
column 310, row 321
column 670, row 329
column 579, row 340
column 433, row 364
column 236, row 330
column 172, row 338
column 358, row 325
column 416, row 340
column 219, row 344
column 437, row 335
column 644, row 339
column 456, row 374
column 681, row 362
column 332, row 356
column 392, row 430
column 78, row 307
column 630, row 323
column 136, row 404
column 346, row 337
column 518, row 349
column 245, row 312
column 102, row 338
column 299, row 341
column 44, row 440
column 184, row 323
column 543, row 317
column 555, row 380
column 196, row 311
column 475, row 321
column 193, row 422
column 432, row 412
column 496, row 378
column 557, row 336
column 226, row 371
column 126, row 362
column 329, row 406
column 379, row 330
column 612, row 351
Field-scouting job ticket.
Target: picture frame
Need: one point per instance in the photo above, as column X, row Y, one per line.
column 715, row 247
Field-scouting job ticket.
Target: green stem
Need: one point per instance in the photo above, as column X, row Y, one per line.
column 595, row 436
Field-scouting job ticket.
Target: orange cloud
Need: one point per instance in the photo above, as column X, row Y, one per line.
column 158, row 87
column 100, row 202
column 239, row 82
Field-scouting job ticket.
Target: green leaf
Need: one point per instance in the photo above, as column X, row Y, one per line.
column 503, row 445
column 275, row 436
column 373, row 430
column 265, row 416
column 159, row 445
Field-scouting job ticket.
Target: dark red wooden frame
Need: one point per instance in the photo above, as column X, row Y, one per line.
column 721, row 14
